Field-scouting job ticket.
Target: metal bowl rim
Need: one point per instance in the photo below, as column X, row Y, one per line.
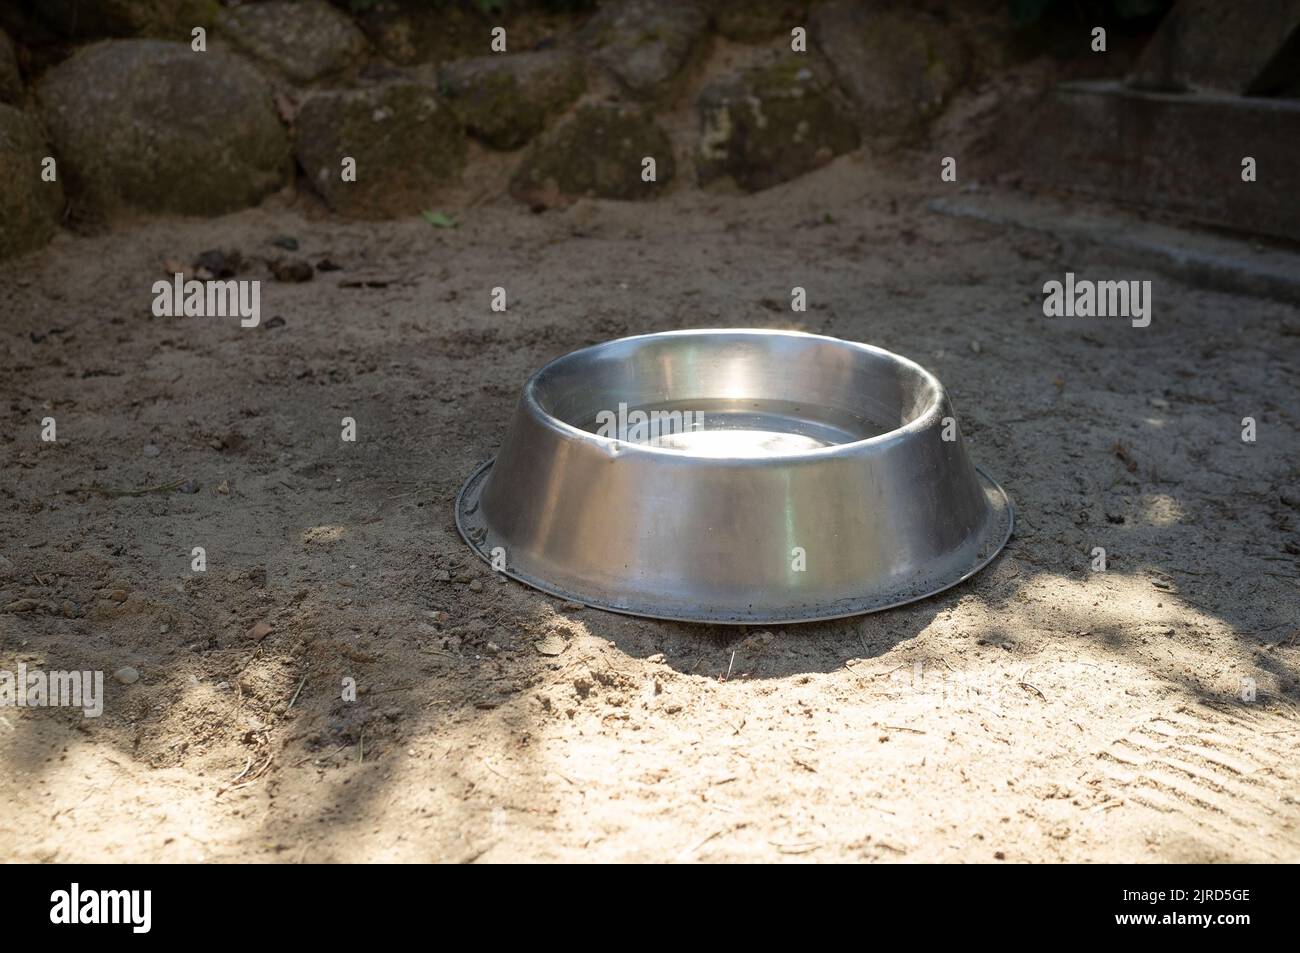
column 612, row 445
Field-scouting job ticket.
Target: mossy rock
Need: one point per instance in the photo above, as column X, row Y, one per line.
column 163, row 19
column 412, row 32
column 900, row 67
column 304, row 41
column 153, row 126
column 771, row 123
column 407, row 143
column 29, row 206
column 507, row 99
column 647, row 44
column 598, row 152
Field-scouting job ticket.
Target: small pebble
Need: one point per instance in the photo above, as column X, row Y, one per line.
column 127, row 675
column 551, row 645
column 151, row 450
column 476, row 585
column 292, row 271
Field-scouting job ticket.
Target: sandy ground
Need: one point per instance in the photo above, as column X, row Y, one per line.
column 1040, row 712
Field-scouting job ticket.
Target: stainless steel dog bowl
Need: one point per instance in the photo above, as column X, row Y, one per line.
column 801, row 478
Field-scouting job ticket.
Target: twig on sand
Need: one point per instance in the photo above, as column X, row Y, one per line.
column 1031, row 688
column 718, row 833
column 573, row 783
column 252, row 779
column 160, row 488
column 260, row 771
column 296, row 693
column 245, row 771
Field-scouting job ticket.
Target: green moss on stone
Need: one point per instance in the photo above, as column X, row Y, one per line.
column 770, row 124
column 507, row 100
column 599, row 152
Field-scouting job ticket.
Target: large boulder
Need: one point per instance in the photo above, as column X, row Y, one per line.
column 152, row 125
column 29, row 206
column 598, row 152
column 305, row 41
column 170, row 19
column 900, row 66
column 507, row 99
column 771, row 123
column 647, row 44
column 407, row 144
column 11, row 81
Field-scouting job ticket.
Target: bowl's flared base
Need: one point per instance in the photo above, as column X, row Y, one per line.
column 997, row 530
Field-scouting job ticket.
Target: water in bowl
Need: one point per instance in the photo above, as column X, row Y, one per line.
column 724, row 427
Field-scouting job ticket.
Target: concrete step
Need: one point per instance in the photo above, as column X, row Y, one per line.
column 1197, row 258
column 1178, row 152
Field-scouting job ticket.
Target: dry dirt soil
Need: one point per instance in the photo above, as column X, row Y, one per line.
column 1039, row 712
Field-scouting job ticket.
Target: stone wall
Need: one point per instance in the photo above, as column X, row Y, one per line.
column 378, row 107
